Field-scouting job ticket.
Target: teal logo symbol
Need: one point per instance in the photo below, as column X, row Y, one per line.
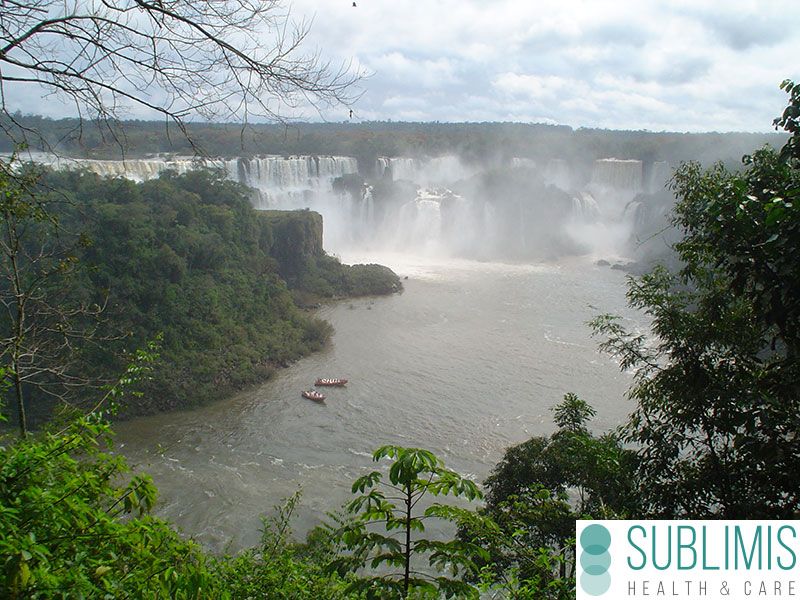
column 595, row 560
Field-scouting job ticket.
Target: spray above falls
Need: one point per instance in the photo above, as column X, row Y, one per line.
column 519, row 209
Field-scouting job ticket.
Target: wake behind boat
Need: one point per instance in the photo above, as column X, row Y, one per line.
column 313, row 395
column 331, row 382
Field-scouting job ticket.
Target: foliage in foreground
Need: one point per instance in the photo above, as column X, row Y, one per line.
column 75, row 524
column 385, row 534
column 534, row 496
column 718, row 410
column 278, row 568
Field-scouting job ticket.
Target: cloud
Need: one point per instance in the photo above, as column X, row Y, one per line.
column 766, row 24
column 531, row 86
column 425, row 72
column 684, row 65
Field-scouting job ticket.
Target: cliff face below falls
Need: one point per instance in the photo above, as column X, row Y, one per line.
column 296, row 240
column 296, row 245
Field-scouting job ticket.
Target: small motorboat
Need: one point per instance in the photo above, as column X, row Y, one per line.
column 313, row 395
column 331, row 382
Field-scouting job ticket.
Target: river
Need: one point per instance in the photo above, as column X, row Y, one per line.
column 468, row 360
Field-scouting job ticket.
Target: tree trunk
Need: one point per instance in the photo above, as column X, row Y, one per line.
column 407, row 573
column 23, row 425
column 18, row 328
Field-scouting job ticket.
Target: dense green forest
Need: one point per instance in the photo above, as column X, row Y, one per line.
column 713, row 433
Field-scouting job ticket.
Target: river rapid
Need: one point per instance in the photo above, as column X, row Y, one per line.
column 467, row 361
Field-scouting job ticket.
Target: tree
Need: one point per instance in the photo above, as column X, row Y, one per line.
column 280, row 568
column 75, row 521
column 594, row 470
column 216, row 59
column 718, row 389
column 42, row 325
column 535, row 494
column 413, row 475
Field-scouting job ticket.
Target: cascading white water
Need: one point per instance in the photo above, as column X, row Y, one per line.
column 437, row 170
column 600, row 223
column 281, row 181
column 367, row 206
column 635, row 213
column 397, row 168
column 269, row 173
column 436, row 222
column 660, row 173
column 585, row 207
column 617, row 174
column 261, row 172
column 139, row 169
column 293, row 182
column 419, row 223
column 481, row 222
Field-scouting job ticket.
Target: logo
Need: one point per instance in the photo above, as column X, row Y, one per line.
column 687, row 560
column 595, row 559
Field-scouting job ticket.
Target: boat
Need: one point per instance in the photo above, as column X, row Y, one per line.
column 313, row 395
column 331, row 382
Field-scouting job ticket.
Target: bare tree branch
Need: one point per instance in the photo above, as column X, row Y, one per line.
column 232, row 60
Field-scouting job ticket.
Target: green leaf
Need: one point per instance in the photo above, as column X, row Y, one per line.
column 101, row 570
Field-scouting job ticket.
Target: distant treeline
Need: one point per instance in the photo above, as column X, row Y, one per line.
column 475, row 142
column 187, row 256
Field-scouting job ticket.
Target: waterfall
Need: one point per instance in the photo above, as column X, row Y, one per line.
column 295, row 182
column 397, row 168
column 437, row 170
column 288, row 182
column 635, row 214
column 585, row 207
column 281, row 181
column 265, row 173
column 419, row 223
column 436, row 222
column 140, row 169
column 659, row 173
column 617, row 174
column 367, row 207
column 518, row 219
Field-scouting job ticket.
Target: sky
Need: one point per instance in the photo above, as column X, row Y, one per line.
column 680, row 65
column 677, row 65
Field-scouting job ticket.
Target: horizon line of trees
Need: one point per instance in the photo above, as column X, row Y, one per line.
column 474, row 142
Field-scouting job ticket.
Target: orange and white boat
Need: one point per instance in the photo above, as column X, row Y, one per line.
column 313, row 395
